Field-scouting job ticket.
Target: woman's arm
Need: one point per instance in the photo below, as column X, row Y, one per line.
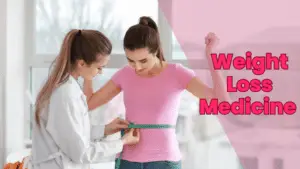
column 219, row 90
column 102, row 96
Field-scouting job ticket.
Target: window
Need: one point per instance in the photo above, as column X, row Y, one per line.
column 112, row 17
column 178, row 54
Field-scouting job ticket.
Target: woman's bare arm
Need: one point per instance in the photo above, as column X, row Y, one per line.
column 201, row 90
column 102, row 96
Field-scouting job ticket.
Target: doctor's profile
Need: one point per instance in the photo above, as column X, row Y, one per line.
column 63, row 136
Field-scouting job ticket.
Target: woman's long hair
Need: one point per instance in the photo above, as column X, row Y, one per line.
column 87, row 45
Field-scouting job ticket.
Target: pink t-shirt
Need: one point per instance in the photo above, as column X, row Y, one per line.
column 153, row 100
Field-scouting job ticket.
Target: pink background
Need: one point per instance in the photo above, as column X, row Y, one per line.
column 258, row 26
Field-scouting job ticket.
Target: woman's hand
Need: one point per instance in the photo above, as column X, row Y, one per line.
column 131, row 137
column 115, row 126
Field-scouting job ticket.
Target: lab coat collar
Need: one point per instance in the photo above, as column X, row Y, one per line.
column 75, row 85
column 77, row 90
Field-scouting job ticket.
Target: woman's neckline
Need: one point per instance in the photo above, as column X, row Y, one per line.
column 165, row 68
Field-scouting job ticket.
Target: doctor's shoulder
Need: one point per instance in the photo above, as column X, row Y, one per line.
column 66, row 91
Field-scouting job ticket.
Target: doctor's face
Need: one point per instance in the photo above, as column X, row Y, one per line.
column 89, row 71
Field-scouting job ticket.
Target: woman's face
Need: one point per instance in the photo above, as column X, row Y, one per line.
column 90, row 71
column 141, row 60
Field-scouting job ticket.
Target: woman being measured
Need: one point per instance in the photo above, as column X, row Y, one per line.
column 152, row 89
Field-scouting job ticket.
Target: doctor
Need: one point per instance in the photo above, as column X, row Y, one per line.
column 63, row 136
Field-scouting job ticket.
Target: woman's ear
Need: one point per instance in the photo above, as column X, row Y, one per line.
column 80, row 63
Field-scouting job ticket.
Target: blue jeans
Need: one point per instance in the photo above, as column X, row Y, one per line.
column 151, row 165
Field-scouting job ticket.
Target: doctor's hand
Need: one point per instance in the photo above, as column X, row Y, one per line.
column 131, row 137
column 115, row 126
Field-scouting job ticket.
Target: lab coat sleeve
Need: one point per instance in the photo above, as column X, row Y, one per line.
column 97, row 132
column 65, row 124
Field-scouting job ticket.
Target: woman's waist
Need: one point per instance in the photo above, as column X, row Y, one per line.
column 156, row 139
column 151, row 149
column 153, row 119
column 151, row 153
column 151, row 133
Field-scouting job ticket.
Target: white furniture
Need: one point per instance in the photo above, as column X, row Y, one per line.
column 17, row 156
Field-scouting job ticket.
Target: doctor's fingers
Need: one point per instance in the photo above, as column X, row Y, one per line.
column 121, row 121
column 121, row 126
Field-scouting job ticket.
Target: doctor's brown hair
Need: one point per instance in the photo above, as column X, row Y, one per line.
column 87, row 45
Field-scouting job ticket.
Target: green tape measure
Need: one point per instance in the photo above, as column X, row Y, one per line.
column 141, row 126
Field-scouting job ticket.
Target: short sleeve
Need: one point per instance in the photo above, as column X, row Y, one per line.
column 184, row 75
column 119, row 77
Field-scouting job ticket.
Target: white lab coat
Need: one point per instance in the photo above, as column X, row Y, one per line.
column 66, row 139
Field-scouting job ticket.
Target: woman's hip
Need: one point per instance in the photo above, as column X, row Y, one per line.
column 149, row 165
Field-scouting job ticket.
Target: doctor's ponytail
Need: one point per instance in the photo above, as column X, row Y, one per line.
column 59, row 74
column 87, row 45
